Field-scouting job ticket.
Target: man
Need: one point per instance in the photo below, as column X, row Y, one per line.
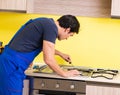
column 33, row 37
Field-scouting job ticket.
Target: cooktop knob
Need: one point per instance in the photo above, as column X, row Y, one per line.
column 72, row 86
column 42, row 84
column 57, row 85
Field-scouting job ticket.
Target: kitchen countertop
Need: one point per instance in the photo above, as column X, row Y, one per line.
column 115, row 80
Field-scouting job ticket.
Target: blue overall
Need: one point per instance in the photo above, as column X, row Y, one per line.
column 12, row 67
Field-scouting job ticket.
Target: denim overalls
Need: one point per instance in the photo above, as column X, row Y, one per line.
column 12, row 67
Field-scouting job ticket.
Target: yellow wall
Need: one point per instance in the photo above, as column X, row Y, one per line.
column 97, row 44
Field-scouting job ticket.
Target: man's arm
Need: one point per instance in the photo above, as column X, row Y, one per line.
column 63, row 55
column 48, row 54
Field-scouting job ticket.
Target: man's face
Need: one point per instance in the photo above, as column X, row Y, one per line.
column 65, row 34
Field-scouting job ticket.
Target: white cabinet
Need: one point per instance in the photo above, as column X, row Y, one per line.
column 115, row 9
column 26, row 87
column 13, row 5
column 102, row 89
column 93, row 8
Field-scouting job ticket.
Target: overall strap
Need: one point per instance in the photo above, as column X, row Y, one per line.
column 31, row 20
column 21, row 29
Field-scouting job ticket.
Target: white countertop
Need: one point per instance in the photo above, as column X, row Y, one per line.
column 115, row 80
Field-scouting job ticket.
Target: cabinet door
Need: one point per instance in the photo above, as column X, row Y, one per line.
column 13, row 4
column 115, row 9
column 102, row 89
column 26, row 87
column 93, row 8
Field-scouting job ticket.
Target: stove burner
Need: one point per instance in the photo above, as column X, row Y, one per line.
column 83, row 71
column 93, row 73
column 109, row 74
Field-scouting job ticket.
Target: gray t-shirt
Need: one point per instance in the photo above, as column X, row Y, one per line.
column 31, row 36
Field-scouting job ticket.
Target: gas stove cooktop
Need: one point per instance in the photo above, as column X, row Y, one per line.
column 84, row 71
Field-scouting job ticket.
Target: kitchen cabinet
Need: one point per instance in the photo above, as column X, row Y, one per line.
column 94, row 88
column 13, row 5
column 26, row 87
column 1, row 47
column 115, row 9
column 91, row 8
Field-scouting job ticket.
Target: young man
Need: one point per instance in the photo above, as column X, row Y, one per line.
column 33, row 37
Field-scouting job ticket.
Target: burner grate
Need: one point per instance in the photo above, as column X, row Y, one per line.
column 93, row 73
column 106, row 73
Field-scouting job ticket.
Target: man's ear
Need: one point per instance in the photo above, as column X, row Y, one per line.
column 68, row 30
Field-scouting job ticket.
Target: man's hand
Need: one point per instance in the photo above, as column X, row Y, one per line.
column 71, row 73
column 66, row 57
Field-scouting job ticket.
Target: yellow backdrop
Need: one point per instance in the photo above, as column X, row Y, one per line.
column 97, row 44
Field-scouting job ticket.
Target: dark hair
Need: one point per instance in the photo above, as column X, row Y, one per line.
column 69, row 21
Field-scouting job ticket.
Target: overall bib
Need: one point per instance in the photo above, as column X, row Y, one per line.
column 12, row 67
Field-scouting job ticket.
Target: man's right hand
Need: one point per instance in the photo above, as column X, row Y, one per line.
column 71, row 73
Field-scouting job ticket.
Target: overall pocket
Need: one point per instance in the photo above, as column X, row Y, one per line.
column 15, row 80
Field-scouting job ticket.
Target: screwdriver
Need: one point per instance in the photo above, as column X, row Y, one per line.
column 71, row 63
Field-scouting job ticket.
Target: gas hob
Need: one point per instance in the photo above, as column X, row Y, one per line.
column 84, row 71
